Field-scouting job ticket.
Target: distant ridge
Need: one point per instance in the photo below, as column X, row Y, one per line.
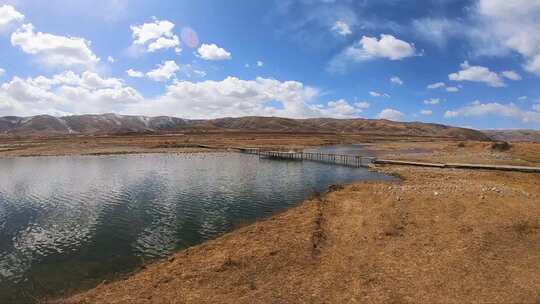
column 514, row 135
column 45, row 125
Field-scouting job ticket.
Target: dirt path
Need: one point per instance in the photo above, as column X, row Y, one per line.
column 438, row 236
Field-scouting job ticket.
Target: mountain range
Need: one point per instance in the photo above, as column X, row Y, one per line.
column 113, row 124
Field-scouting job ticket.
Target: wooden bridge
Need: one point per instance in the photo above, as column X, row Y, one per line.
column 337, row 159
column 361, row 161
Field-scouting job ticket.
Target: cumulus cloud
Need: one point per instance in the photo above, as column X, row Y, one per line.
column 387, row 46
column 478, row 109
column 111, row 59
column 71, row 93
column 135, row 74
column 168, row 70
column 213, row 52
column 233, row 97
column 337, row 109
column 477, row 74
column 396, row 80
column 65, row 93
column 369, row 48
column 9, row 15
column 391, row 114
column 341, row 28
column 155, row 36
column 2, row 72
column 260, row 63
column 164, row 71
column 510, row 25
column 54, row 50
column 452, row 89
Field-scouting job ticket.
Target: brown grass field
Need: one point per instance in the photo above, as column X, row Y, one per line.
column 436, row 236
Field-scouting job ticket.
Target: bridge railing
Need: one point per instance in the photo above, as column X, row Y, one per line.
column 338, row 159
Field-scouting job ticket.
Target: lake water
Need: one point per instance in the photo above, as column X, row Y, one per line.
column 70, row 222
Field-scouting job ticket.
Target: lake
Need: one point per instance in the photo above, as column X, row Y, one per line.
column 71, row 222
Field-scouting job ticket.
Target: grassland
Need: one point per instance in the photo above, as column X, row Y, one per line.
column 436, row 236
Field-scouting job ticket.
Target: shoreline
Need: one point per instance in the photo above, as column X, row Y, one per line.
column 350, row 243
column 432, row 236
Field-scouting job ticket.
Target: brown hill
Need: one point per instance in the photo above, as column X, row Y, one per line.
column 514, row 135
column 44, row 125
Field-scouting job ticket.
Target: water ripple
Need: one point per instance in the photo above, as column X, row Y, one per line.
column 68, row 220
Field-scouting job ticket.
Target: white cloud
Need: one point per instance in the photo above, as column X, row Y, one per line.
column 377, row 94
column 536, row 107
column 341, row 28
column 512, row 75
column 2, row 72
column 396, row 80
column 213, row 52
column 478, row 109
column 509, row 25
column 522, row 98
column 111, row 59
column 391, row 114
column 65, row 93
column 8, row 15
column 477, row 74
column 426, row 112
column 432, row 101
column 164, row 71
column 54, row 50
column 167, row 70
column 338, row 109
column 362, row 105
column 71, row 93
column 369, row 48
column 134, row 74
column 233, row 97
column 437, row 85
column 387, row 46
column 260, row 63
column 165, row 43
column 437, row 30
column 452, row 89
column 156, row 35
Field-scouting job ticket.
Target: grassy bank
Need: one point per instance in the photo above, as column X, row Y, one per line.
column 437, row 236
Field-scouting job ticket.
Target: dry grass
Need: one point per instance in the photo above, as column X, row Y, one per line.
column 438, row 236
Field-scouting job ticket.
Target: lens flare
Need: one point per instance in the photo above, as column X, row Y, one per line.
column 190, row 37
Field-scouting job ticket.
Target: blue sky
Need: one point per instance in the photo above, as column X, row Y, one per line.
column 472, row 63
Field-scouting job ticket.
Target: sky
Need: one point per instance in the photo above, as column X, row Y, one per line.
column 468, row 63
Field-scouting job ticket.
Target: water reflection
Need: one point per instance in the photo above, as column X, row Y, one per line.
column 67, row 222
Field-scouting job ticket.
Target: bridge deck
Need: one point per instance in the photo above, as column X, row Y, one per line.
column 360, row 161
